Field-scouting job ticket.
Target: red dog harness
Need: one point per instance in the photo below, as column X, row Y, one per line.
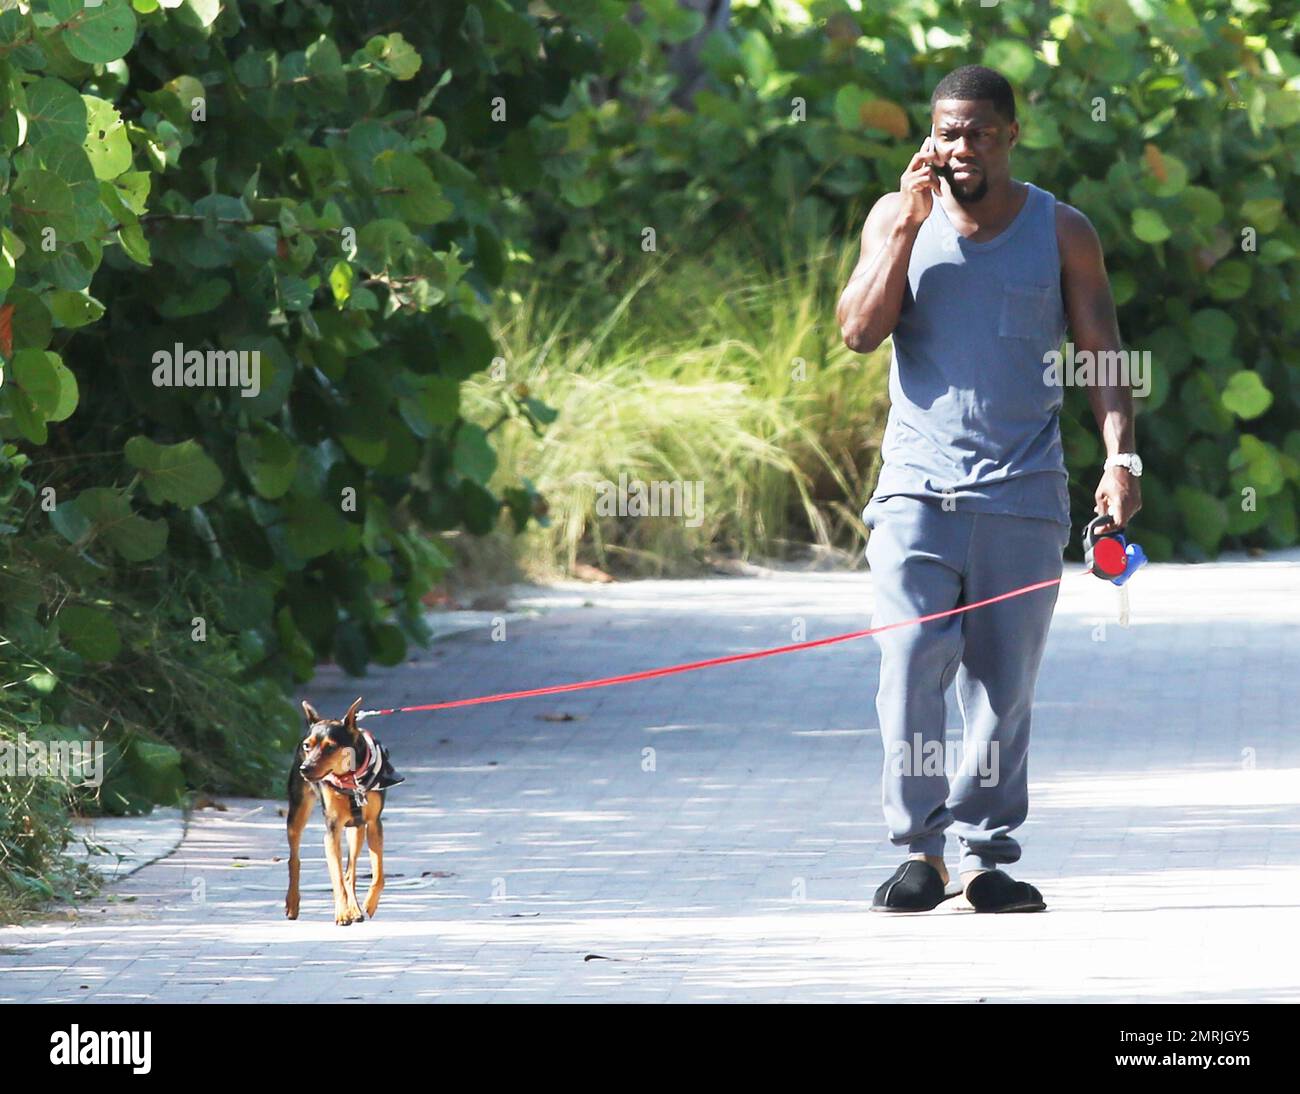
column 364, row 774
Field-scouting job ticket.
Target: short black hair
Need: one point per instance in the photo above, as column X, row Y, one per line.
column 972, row 82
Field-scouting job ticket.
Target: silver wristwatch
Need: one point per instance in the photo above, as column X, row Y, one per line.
column 1130, row 461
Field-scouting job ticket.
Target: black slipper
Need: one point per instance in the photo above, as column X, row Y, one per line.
column 994, row 891
column 915, row 887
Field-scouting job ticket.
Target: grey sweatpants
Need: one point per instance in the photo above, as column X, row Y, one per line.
column 925, row 559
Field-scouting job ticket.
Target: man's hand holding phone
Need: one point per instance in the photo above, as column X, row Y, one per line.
column 919, row 183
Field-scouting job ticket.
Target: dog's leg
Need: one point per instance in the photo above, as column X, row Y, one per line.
column 333, row 831
column 350, row 875
column 301, row 799
column 375, row 838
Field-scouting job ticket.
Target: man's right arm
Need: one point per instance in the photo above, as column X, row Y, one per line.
column 871, row 302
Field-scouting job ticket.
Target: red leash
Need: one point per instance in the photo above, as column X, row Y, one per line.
column 692, row 666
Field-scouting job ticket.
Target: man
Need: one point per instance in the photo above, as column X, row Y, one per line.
column 975, row 275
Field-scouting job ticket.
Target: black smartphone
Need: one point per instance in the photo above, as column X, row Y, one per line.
column 943, row 170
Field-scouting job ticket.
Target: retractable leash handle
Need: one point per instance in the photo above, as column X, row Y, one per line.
column 1108, row 555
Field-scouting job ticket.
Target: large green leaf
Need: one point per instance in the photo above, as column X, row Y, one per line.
column 1166, row 174
column 1149, row 226
column 1203, row 409
column 69, row 161
column 106, row 141
column 205, row 11
column 1213, row 333
column 473, row 455
column 407, row 189
column 270, row 461
column 27, row 417
column 44, row 211
column 148, row 772
column 96, row 33
column 132, row 189
column 74, row 309
column 1263, row 214
column 1230, row 280
column 1013, row 59
column 90, row 631
column 1245, row 394
column 325, row 67
column 367, row 450
column 70, row 522
column 47, row 381
column 54, row 109
column 1207, row 519
column 582, row 192
column 134, row 244
column 180, row 473
column 108, row 513
column 1204, row 205
column 1283, row 528
column 393, row 54
column 202, row 296
column 340, row 280
column 314, row 528
column 1257, row 464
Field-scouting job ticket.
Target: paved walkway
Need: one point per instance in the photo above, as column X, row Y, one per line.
column 717, row 835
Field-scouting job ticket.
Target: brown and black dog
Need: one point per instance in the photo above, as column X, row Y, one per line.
column 349, row 771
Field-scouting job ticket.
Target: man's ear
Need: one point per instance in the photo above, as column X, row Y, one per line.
column 309, row 712
column 350, row 718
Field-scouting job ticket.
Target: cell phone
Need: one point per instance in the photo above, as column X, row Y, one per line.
column 943, row 169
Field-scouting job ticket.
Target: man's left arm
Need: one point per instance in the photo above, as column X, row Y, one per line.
column 1090, row 311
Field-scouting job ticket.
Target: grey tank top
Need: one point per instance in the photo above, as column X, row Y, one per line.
column 971, row 417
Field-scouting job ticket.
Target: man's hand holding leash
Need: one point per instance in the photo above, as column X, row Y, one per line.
column 1118, row 494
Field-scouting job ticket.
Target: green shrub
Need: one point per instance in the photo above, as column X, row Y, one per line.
column 266, row 177
column 806, row 122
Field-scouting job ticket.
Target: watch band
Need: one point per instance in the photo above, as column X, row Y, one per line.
column 1130, row 461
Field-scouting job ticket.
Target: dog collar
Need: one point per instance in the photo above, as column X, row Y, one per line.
column 365, row 774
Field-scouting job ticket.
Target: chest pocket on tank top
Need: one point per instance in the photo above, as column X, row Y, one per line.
column 1026, row 309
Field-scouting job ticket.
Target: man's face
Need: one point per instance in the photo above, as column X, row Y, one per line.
column 976, row 142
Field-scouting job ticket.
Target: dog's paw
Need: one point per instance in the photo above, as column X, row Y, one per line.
column 348, row 917
column 291, row 909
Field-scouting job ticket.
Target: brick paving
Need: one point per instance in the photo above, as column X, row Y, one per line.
column 717, row 835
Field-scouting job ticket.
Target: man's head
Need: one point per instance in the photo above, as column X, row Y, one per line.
column 973, row 110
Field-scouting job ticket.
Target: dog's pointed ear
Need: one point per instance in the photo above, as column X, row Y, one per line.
column 350, row 718
column 309, row 712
